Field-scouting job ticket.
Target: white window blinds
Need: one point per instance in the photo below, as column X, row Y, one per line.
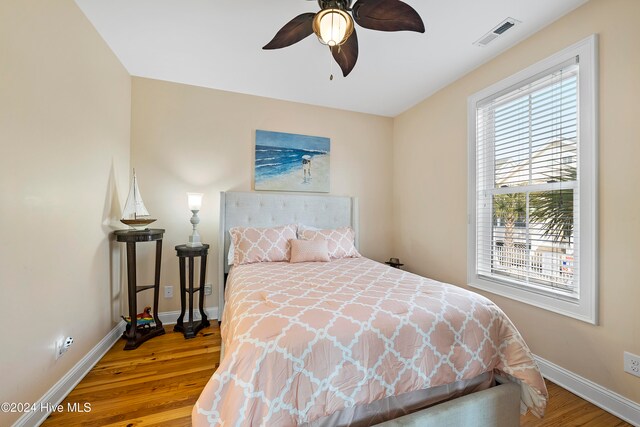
column 532, row 184
column 527, row 183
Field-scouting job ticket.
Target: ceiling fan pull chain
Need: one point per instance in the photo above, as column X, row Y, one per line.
column 330, row 66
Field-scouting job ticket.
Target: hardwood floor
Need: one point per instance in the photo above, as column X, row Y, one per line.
column 155, row 385
column 567, row 409
column 158, row 384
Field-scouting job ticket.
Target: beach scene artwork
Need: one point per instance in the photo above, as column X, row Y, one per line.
column 290, row 162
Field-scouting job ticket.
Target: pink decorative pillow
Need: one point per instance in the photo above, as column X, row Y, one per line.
column 261, row 244
column 309, row 251
column 340, row 241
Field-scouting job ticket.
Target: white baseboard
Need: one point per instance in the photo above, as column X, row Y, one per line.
column 70, row 380
column 606, row 399
column 170, row 317
column 63, row 387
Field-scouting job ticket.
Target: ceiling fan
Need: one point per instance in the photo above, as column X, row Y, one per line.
column 334, row 26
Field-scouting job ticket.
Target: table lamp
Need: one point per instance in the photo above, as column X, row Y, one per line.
column 195, row 202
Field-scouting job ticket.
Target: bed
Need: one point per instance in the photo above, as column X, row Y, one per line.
column 355, row 342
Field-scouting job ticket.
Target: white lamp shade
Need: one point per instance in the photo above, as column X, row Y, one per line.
column 333, row 26
column 195, row 201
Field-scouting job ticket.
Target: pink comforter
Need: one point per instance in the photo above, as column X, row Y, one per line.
column 305, row 340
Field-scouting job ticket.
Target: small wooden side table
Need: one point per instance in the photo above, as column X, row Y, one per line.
column 191, row 328
column 137, row 334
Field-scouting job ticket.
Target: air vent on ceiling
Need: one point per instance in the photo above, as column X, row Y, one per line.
column 499, row 30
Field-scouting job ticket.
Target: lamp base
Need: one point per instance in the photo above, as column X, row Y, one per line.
column 194, row 241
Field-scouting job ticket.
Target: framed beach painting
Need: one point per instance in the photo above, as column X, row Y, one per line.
column 290, row 162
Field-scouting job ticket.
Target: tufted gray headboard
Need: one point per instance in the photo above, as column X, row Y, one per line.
column 242, row 209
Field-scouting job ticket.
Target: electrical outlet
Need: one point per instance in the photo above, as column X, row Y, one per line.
column 207, row 289
column 62, row 345
column 168, row 291
column 632, row 364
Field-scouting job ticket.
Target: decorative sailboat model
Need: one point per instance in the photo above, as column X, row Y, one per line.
column 135, row 214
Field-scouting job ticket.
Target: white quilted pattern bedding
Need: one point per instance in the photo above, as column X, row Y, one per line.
column 305, row 340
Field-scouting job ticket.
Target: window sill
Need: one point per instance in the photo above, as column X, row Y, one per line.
column 544, row 300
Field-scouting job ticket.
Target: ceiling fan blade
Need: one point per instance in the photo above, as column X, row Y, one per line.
column 347, row 55
column 295, row 30
column 387, row 15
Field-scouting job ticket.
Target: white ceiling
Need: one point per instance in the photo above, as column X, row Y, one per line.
column 218, row 44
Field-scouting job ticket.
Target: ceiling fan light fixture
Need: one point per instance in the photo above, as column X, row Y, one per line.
column 333, row 26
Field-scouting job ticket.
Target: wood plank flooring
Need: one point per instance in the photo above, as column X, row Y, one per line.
column 566, row 409
column 158, row 384
column 155, row 385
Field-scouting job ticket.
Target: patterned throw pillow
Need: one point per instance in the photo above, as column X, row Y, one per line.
column 309, row 251
column 340, row 241
column 262, row 244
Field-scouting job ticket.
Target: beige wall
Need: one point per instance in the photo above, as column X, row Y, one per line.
column 67, row 110
column 186, row 138
column 430, row 190
column 64, row 141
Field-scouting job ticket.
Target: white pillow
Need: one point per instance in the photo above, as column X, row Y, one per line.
column 303, row 227
column 232, row 252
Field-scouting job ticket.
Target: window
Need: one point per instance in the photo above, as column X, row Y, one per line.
column 532, row 185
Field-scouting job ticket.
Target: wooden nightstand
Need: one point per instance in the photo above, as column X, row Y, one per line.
column 191, row 328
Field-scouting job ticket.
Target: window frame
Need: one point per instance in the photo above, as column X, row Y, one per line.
column 584, row 308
